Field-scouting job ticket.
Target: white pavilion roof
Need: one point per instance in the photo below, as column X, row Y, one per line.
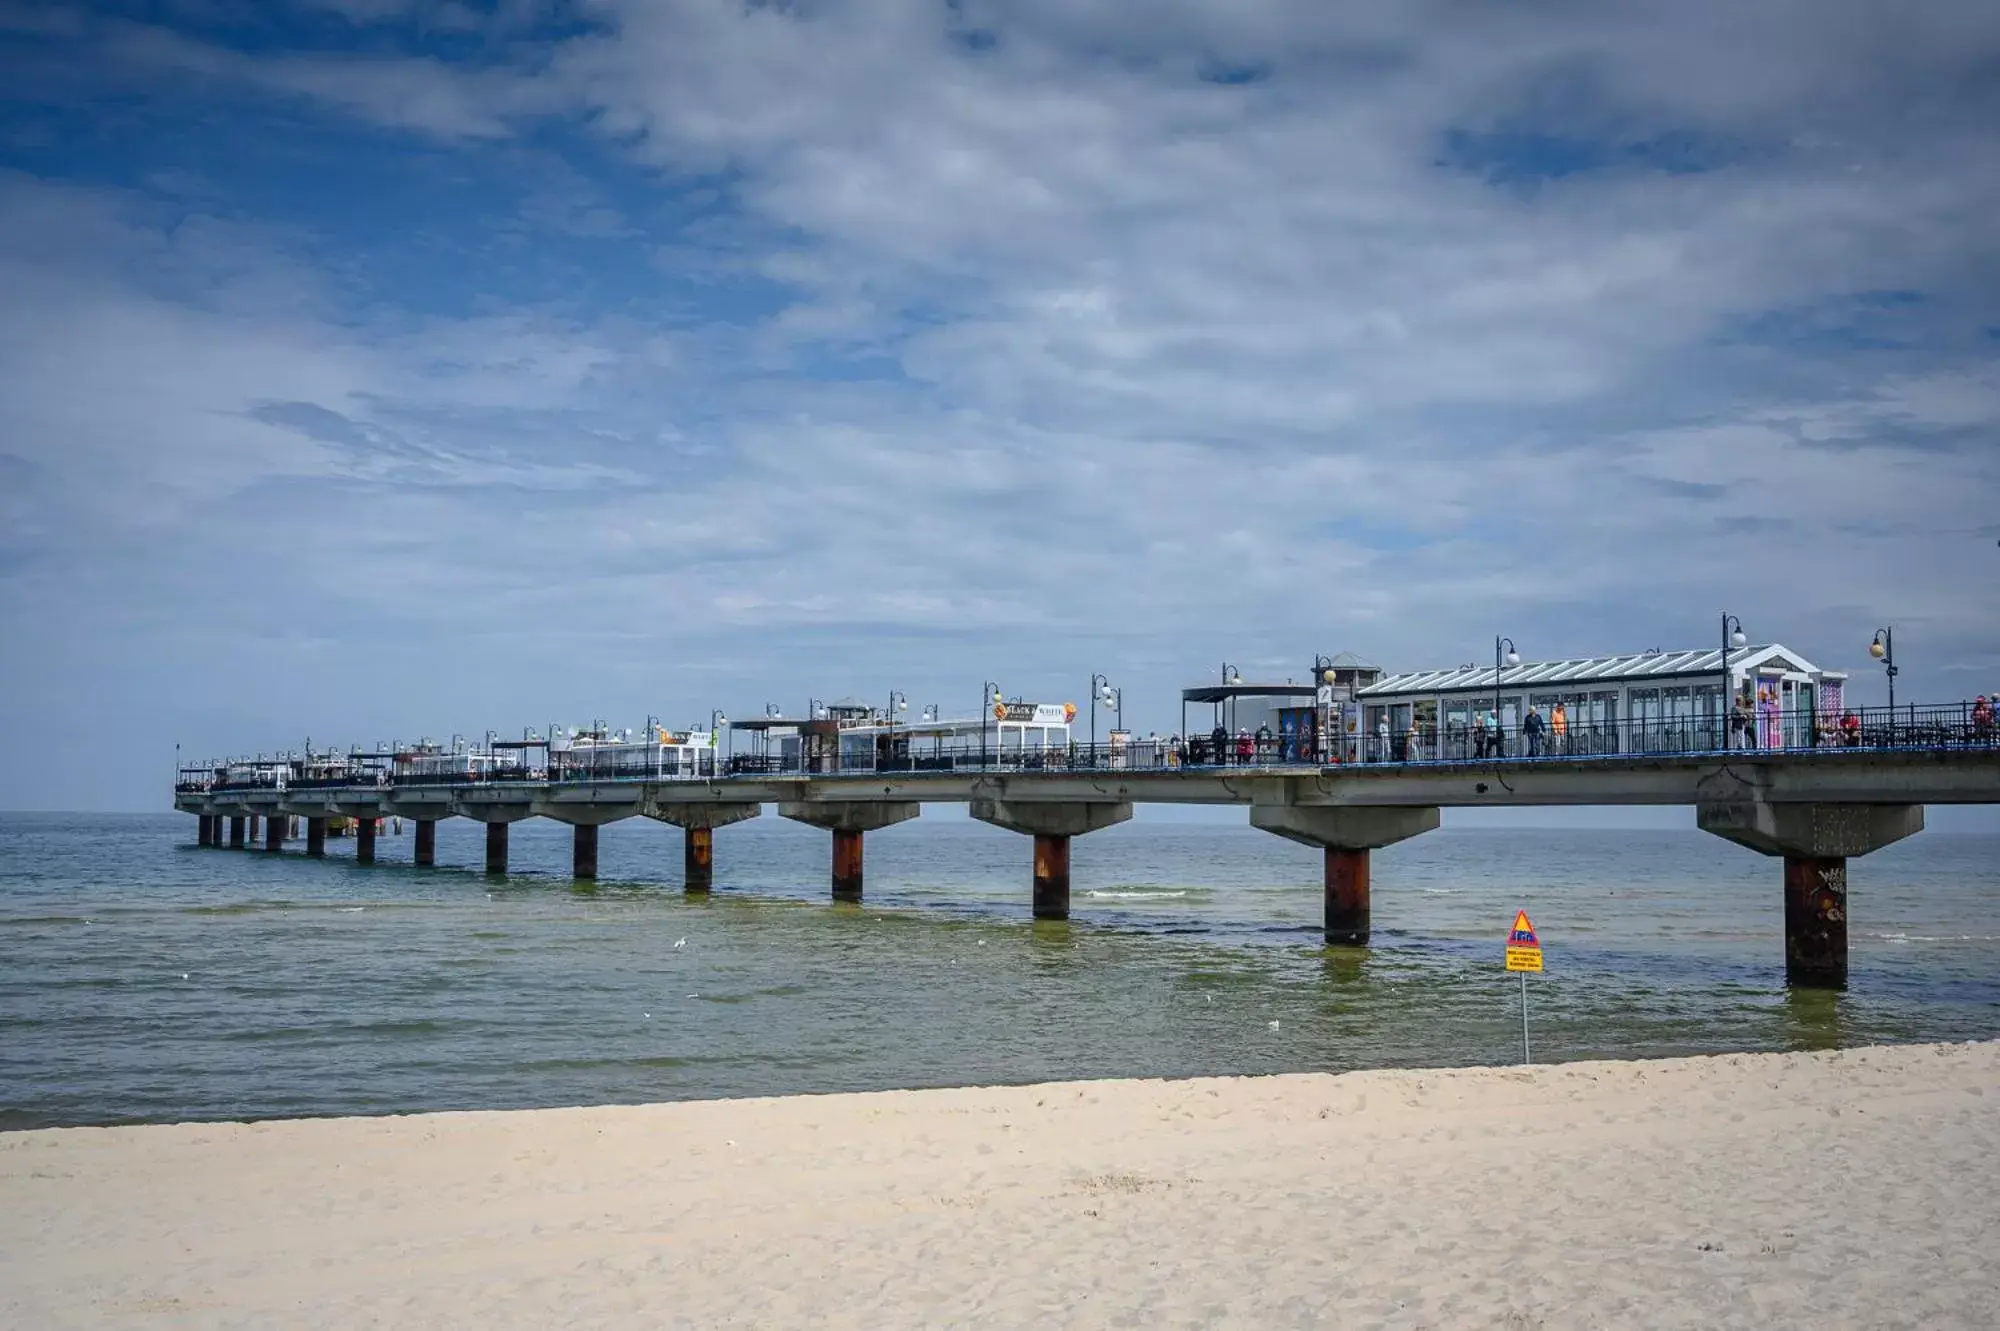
column 1589, row 670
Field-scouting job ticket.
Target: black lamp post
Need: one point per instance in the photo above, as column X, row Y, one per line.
column 1099, row 685
column 1230, row 675
column 1323, row 678
column 1732, row 636
column 1883, row 648
column 990, row 698
column 1510, row 656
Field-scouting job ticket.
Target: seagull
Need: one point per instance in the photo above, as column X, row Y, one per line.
column 647, row 1015
column 184, row 975
column 1274, row 1025
column 682, row 943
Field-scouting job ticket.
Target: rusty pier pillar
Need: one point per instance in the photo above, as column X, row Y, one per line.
column 236, row 831
column 496, row 847
column 583, row 855
column 1052, row 875
column 364, row 840
column 315, row 836
column 204, row 834
column 1816, row 921
column 847, row 864
column 1346, row 897
column 698, row 860
column 274, row 831
column 426, row 847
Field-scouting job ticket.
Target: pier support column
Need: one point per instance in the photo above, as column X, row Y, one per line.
column 1816, row 841
column 1346, row 906
column 1051, row 876
column 1345, row 836
column 1052, row 826
column 698, row 859
column 849, row 823
column 274, row 831
column 699, row 821
column 583, row 855
column 204, row 830
column 364, row 839
column 256, row 828
column 315, row 836
column 236, row 831
column 426, row 846
column 496, row 847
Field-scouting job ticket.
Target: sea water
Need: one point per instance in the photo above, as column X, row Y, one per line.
column 145, row 979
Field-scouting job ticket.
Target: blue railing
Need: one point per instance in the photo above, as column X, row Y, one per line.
column 1928, row 728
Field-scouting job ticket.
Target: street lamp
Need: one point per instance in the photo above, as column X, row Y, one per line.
column 1323, row 678
column 897, row 703
column 1230, row 675
column 1511, row 656
column 1100, row 687
column 772, row 710
column 1883, row 648
column 815, row 709
column 991, row 699
column 1732, row 636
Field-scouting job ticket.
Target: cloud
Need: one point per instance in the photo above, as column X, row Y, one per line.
column 804, row 347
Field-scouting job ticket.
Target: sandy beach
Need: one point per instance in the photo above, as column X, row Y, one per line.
column 1845, row 1189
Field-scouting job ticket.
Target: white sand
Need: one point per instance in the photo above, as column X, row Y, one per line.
column 1853, row 1189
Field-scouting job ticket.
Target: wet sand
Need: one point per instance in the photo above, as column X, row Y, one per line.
column 1855, row 1188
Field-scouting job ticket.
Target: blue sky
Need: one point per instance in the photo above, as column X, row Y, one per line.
column 379, row 367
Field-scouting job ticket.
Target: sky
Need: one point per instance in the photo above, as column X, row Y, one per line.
column 377, row 368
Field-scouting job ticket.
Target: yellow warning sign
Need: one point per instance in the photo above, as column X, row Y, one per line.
column 1524, row 948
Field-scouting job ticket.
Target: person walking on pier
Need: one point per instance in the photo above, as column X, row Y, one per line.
column 1559, row 728
column 1982, row 719
column 1479, row 740
column 1532, row 728
column 1218, row 745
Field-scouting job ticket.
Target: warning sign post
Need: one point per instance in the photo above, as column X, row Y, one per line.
column 1524, row 954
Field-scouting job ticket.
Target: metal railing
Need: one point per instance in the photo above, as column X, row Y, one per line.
column 1931, row 728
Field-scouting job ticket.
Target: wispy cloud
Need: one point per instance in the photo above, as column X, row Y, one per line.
column 672, row 354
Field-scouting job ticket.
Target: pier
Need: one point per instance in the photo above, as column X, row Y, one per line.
column 1812, row 805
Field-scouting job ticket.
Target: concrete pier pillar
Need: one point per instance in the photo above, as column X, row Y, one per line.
column 583, row 857
column 364, row 839
column 1816, row 841
column 1346, row 897
column 1345, row 836
column 315, row 836
column 850, row 821
column 699, row 821
column 496, row 847
column 204, row 830
column 1815, row 922
column 236, row 831
column 1052, row 825
column 1051, row 876
column 256, row 828
column 274, row 832
column 426, row 848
